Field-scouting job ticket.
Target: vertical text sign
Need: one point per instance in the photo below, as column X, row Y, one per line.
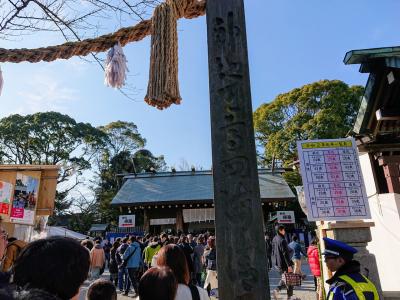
column 242, row 272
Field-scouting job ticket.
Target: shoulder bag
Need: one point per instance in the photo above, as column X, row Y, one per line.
column 125, row 261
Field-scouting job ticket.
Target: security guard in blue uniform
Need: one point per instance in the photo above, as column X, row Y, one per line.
column 347, row 283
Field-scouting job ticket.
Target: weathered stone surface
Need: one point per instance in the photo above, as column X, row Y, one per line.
column 241, row 250
column 352, row 235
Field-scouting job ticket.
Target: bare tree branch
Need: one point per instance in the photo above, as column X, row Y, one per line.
column 13, row 14
column 73, row 19
column 66, row 16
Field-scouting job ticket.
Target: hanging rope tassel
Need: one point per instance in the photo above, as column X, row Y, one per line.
column 163, row 87
column 116, row 67
column 1, row 81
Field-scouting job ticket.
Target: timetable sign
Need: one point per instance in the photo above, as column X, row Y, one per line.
column 333, row 184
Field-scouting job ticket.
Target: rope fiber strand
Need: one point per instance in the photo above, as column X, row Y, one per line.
column 183, row 9
column 163, row 86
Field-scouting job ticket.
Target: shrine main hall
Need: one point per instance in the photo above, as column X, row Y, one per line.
column 183, row 201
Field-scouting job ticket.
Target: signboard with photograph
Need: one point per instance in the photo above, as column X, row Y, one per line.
column 126, row 221
column 333, row 183
column 5, row 197
column 25, row 199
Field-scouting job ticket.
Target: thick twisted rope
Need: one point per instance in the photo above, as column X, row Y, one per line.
column 183, row 9
column 163, row 87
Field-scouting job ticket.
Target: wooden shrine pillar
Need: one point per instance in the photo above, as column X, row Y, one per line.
column 146, row 221
column 179, row 220
column 391, row 169
column 242, row 272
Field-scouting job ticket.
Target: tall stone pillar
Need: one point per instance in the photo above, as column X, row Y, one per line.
column 241, row 255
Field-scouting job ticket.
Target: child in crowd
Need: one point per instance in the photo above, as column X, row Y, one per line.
column 101, row 289
column 158, row 283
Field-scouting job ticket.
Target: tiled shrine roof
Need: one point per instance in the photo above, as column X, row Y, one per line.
column 191, row 187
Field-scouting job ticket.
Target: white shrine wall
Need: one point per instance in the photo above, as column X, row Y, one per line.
column 385, row 244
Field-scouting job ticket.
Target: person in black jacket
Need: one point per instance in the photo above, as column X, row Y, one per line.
column 268, row 248
column 113, row 267
column 184, row 245
column 281, row 260
column 122, row 271
column 107, row 248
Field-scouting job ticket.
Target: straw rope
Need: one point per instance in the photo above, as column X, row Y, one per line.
column 183, row 9
column 163, row 86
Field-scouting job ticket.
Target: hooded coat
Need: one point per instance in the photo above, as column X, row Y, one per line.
column 97, row 257
column 150, row 251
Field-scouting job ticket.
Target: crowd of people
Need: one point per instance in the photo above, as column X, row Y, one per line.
column 131, row 256
column 163, row 267
column 181, row 268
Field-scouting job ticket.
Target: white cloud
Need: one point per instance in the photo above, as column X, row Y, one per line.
column 45, row 93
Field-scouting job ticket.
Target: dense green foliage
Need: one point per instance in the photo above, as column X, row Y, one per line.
column 48, row 138
column 51, row 138
column 108, row 151
column 122, row 154
column 320, row 110
column 323, row 109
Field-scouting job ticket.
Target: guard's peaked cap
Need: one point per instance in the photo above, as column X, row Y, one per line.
column 336, row 248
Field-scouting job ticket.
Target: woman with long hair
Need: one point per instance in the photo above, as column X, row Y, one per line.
column 173, row 257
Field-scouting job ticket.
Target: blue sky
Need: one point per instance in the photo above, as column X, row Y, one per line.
column 291, row 43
